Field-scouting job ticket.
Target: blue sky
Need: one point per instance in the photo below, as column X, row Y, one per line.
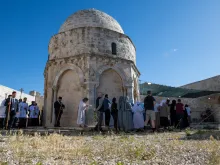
column 177, row 42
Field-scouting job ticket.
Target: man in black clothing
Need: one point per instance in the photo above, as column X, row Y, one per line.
column 58, row 106
column 149, row 103
column 100, row 111
column 107, row 111
column 11, row 102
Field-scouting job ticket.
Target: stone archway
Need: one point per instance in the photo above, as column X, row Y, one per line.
column 119, row 71
column 110, row 82
column 64, row 69
column 68, row 84
column 71, row 91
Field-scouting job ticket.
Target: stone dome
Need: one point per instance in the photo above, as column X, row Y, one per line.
column 91, row 18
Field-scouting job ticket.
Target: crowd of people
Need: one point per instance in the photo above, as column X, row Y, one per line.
column 164, row 114
column 128, row 116
column 18, row 114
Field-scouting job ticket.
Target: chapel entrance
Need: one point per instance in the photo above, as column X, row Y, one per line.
column 110, row 83
column 71, row 92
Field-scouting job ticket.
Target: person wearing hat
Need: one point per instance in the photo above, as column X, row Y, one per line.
column 58, row 106
column 12, row 107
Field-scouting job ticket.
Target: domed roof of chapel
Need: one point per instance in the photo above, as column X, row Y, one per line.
column 91, row 18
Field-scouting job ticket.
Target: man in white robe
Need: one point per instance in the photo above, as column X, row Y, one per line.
column 81, row 119
column 138, row 118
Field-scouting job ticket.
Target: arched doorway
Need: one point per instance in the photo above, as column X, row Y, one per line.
column 71, row 91
column 110, row 83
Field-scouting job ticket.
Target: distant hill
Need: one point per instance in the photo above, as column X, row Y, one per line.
column 168, row 91
column 210, row 84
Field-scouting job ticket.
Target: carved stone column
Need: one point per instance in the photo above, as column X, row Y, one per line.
column 130, row 93
column 55, row 89
column 138, row 91
column 130, row 90
column 48, row 107
column 91, row 94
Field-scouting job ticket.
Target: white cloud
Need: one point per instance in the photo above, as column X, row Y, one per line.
column 170, row 53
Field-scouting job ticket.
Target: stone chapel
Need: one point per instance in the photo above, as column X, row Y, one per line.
column 90, row 54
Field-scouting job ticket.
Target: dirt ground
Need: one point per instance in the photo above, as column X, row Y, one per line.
column 191, row 147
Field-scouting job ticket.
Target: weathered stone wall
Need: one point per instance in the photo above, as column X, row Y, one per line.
column 136, row 91
column 72, row 93
column 198, row 105
column 123, row 68
column 211, row 84
column 91, row 18
column 40, row 102
column 84, row 46
column 91, row 40
column 33, row 93
column 90, row 70
column 58, row 84
column 110, row 83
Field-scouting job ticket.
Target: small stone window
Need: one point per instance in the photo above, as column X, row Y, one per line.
column 114, row 50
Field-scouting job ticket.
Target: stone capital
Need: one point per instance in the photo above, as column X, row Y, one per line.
column 90, row 82
column 129, row 86
column 54, row 88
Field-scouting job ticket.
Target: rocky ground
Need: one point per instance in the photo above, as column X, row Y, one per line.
column 171, row 148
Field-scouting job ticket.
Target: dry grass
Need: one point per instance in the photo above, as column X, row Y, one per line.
column 163, row 148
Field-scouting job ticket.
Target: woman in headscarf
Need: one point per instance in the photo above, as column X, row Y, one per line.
column 81, row 112
column 164, row 113
column 138, row 119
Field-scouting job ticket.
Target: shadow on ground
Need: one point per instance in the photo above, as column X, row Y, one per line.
column 81, row 132
column 202, row 135
column 71, row 132
column 187, row 134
